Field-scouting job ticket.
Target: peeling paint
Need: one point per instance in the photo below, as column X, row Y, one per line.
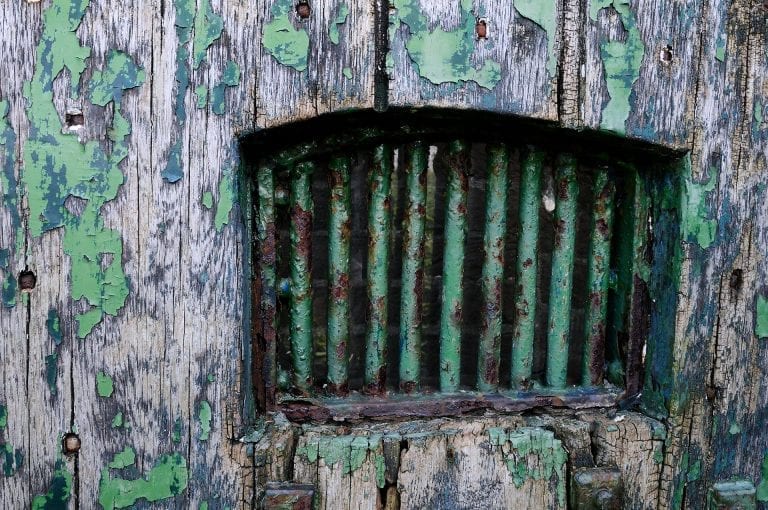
column 123, row 459
column 3, row 416
column 544, row 14
column 207, row 200
column 11, row 459
column 204, row 416
column 104, row 385
column 762, row 488
column 227, row 191
column 698, row 227
column 761, row 317
column 208, row 28
column 444, row 56
column 201, row 93
column 52, row 371
column 9, row 183
column 59, row 490
column 621, row 61
column 287, row 44
column 351, row 452
column 168, row 478
column 177, row 429
column 340, row 19
column 117, row 421
column 9, row 291
column 53, row 325
column 347, row 72
column 230, row 77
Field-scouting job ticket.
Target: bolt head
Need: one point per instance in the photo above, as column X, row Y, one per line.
column 71, row 443
column 303, row 10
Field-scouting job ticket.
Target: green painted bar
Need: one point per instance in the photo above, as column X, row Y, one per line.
column 301, row 279
column 561, row 284
column 413, row 266
column 453, row 266
column 489, row 351
column 339, row 231
column 268, row 302
column 598, row 277
column 378, row 269
column 527, row 269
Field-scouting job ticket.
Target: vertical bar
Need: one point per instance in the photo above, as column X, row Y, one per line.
column 561, row 286
column 489, row 351
column 339, row 231
column 301, row 279
column 453, row 266
column 268, row 295
column 527, row 269
column 413, row 266
column 378, row 269
column 598, row 276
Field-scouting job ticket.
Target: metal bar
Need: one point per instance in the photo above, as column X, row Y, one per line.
column 561, row 284
column 453, row 266
column 339, row 232
column 598, row 277
column 378, row 269
column 413, row 266
column 268, row 298
column 489, row 351
column 301, row 275
column 527, row 269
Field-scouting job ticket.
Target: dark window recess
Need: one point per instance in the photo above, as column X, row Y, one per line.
column 406, row 268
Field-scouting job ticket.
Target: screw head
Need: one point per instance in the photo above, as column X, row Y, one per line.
column 71, row 443
column 27, row 280
column 303, row 10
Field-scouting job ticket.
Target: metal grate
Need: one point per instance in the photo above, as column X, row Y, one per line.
column 447, row 266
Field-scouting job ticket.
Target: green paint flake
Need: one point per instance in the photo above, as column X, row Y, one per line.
column 123, row 459
column 231, row 74
column 204, row 415
column 350, row 452
column 104, row 385
column 9, row 192
column 52, row 372
column 762, row 488
column 176, row 434
column 9, row 291
column 11, row 460
column 3, row 416
column 211, row 378
column 53, row 325
column 288, row 45
column 347, row 72
column 203, row 505
column 761, row 322
column 59, row 490
column 173, row 171
column 226, row 199
column 120, row 74
column 168, row 478
column 621, row 61
column 207, row 200
column 201, row 93
column 218, row 106
column 208, row 28
column 734, row 429
column 117, row 421
column 697, row 226
column 340, row 19
column 444, row 56
column 544, row 14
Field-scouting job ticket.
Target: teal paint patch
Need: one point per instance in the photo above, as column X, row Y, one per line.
column 621, row 62
column 59, row 490
column 168, row 478
column 287, row 44
column 218, row 106
column 53, row 325
column 231, row 74
column 762, row 488
column 120, row 74
column 211, row 378
column 104, row 385
column 177, row 429
column 208, row 28
column 204, row 415
column 227, row 192
column 761, row 317
column 720, row 45
column 9, row 291
column 349, row 452
column 174, row 170
column 3, row 416
column 52, row 371
column 207, row 200
column 347, row 72
column 340, row 19
column 697, row 225
column 11, row 460
column 8, row 182
column 123, row 459
column 443, row 56
column 117, row 421
column 203, row 505
column 230, row 77
column 544, row 14
column 734, row 429
column 201, row 93
column 5, row 255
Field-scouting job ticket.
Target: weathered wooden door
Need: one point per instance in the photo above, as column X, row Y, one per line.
column 148, row 147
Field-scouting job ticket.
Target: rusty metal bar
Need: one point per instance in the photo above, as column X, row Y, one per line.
column 489, row 351
column 339, row 232
column 527, row 269
column 378, row 269
column 301, row 279
column 268, row 298
column 453, row 266
column 598, row 277
column 413, row 266
column 561, row 284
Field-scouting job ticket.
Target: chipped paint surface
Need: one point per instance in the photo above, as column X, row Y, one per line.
column 207, row 200
column 117, row 421
column 762, row 488
column 544, row 14
column 53, row 325
column 59, row 490
column 445, row 56
column 11, row 459
column 340, row 19
column 281, row 39
column 204, row 416
column 761, row 317
column 8, row 183
column 168, row 478
column 52, row 371
column 230, row 77
column 349, row 452
column 697, row 223
column 123, row 459
column 201, row 93
column 208, row 28
column 104, row 385
column 57, row 165
column 621, row 61
column 227, row 193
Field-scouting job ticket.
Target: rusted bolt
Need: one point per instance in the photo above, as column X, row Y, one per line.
column 27, row 280
column 665, row 55
column 303, row 10
column 481, row 28
column 71, row 443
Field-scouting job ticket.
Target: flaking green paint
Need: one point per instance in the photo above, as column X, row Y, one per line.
column 340, row 19
column 287, row 44
column 8, row 183
column 230, row 77
column 57, row 165
column 227, row 191
column 123, row 459
column 621, row 61
column 3, row 416
column 350, row 452
column 347, row 72
column 177, row 430
column 9, row 291
column 698, row 225
column 201, row 93
column 761, row 317
column 762, row 487
column 444, row 56
column 168, row 478
column 734, row 429
column 117, row 421
column 204, row 416
column 53, row 325
column 207, row 200
column 544, row 14
column 59, row 490
column 11, row 459
column 104, row 385
column 52, row 371
column 208, row 28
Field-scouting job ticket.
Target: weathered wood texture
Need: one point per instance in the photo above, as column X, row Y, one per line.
column 120, row 188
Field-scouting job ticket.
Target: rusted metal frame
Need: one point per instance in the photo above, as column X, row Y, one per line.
column 413, row 266
column 267, row 305
column 401, row 406
column 561, row 283
column 453, row 266
column 379, row 223
column 339, row 233
column 598, row 279
column 489, row 347
column 301, row 275
column 527, row 269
